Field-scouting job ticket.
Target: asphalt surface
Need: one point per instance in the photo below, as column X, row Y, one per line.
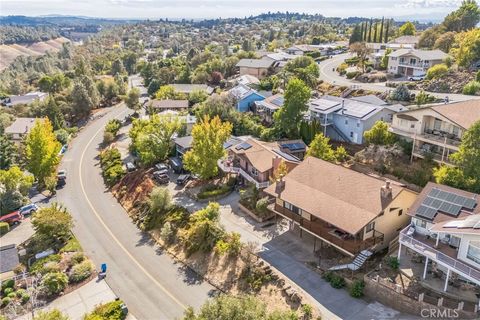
column 328, row 74
column 152, row 285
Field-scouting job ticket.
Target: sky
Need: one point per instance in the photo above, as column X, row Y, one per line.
column 197, row 9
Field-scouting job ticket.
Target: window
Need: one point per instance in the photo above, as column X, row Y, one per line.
column 456, row 131
column 437, row 125
column 346, row 121
column 351, row 134
column 370, row 227
column 358, row 124
column 254, row 172
column 400, row 212
column 473, row 251
column 413, row 61
column 420, row 223
column 291, row 207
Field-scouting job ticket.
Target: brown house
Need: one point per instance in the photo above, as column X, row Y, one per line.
column 168, row 104
column 256, row 161
column 343, row 208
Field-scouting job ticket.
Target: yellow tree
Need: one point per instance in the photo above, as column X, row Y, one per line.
column 207, row 147
column 41, row 150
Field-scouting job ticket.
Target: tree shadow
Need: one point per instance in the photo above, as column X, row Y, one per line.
column 189, row 276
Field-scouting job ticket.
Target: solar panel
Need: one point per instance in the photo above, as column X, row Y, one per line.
column 434, row 192
column 243, row 146
column 293, row 146
column 428, row 201
column 470, row 203
column 426, row 212
column 278, row 101
column 436, row 204
column 227, row 144
column 451, row 198
column 451, row 203
column 286, row 155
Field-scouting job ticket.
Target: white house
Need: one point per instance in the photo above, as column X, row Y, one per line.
column 412, row 62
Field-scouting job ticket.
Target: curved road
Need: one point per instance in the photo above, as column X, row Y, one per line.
column 152, row 285
column 328, row 74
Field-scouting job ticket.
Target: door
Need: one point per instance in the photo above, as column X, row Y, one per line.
column 355, row 137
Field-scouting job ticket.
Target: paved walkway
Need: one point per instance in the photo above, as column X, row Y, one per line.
column 81, row 301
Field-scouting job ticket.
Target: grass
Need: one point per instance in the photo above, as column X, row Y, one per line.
column 213, row 191
column 72, row 245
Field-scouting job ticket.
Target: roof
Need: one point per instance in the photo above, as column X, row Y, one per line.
column 406, row 40
column 260, row 154
column 279, row 56
column 8, row 258
column 464, row 113
column 188, row 88
column 342, row 197
column 421, row 54
column 184, row 142
column 247, row 80
column 429, row 203
column 355, row 109
column 21, row 126
column 255, row 63
column 273, row 102
column 27, row 98
column 241, row 91
column 371, row 99
column 169, row 104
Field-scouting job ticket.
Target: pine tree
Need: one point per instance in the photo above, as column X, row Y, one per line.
column 375, row 32
column 381, row 30
column 370, row 31
column 387, row 29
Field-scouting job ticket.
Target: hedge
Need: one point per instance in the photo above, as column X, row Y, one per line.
column 4, row 228
column 213, row 191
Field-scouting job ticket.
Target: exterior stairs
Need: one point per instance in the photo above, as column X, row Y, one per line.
column 356, row 264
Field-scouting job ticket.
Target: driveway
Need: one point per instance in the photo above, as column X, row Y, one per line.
column 328, row 74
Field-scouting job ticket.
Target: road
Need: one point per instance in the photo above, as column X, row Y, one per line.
column 328, row 74
column 152, row 285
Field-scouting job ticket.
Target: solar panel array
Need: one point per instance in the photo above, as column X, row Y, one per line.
column 278, row 101
column 243, row 146
column 286, row 156
column 293, row 146
column 444, row 201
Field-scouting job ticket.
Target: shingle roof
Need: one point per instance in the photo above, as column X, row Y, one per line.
column 337, row 195
column 21, row 126
column 421, row 54
column 255, row 63
column 464, row 113
column 169, row 104
column 406, row 40
column 241, row 91
column 188, row 88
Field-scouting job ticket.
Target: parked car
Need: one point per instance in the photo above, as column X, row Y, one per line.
column 130, row 166
column 61, row 178
column 182, row 179
column 12, row 218
column 28, row 209
column 417, row 78
column 63, row 149
column 161, row 166
column 160, row 177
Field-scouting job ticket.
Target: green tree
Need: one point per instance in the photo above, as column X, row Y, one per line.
column 132, row 100
column 205, row 230
column 159, row 200
column 466, row 49
column 81, row 101
column 288, row 118
column 438, row 71
column 117, row 67
column 41, row 150
column 361, row 50
column 407, row 29
column 305, row 69
column 151, row 138
column 54, row 314
column 168, row 92
column 320, row 148
column 54, row 282
column 356, row 34
column 197, row 96
column 464, row 18
column 14, row 187
column 54, row 113
column 445, row 41
column 379, row 134
column 53, row 222
column 384, row 62
column 207, row 147
column 8, row 151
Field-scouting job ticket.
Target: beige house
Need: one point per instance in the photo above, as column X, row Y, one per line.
column 345, row 209
column 412, row 62
column 437, row 130
column 20, row 128
column 255, row 67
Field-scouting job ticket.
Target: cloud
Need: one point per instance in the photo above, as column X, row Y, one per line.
column 415, row 4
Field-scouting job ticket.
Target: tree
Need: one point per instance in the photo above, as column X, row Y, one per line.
column 41, row 150
column 207, row 147
column 54, row 314
column 320, row 148
column 168, row 92
column 466, row 48
column 381, row 30
column 305, row 69
column 438, row 71
column 384, row 62
column 160, row 200
column 8, row 151
column 464, row 18
column 53, row 112
column 151, row 138
column 54, row 282
column 117, row 67
column 14, row 187
column 370, row 31
column 288, row 117
column 379, row 134
column 81, row 101
column 407, row 29
column 362, row 52
column 205, row 230
column 356, row 34
column 132, row 100
column 445, row 41
column 197, row 96
column 401, row 93
column 53, row 222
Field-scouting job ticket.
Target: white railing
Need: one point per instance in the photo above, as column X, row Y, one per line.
column 231, row 169
column 430, row 252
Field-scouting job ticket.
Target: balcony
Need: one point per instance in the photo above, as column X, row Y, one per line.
column 440, row 138
column 347, row 243
column 322, row 120
column 443, row 254
column 426, row 151
column 229, row 166
column 418, row 65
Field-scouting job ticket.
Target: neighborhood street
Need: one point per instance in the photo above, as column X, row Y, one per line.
column 329, row 74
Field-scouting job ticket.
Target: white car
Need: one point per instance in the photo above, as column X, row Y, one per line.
column 416, row 78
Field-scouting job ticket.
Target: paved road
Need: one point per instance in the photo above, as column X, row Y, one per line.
column 147, row 279
column 328, row 74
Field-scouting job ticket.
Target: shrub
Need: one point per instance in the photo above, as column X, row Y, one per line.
column 337, row 281
column 38, row 266
column 81, row 271
column 113, row 126
column 328, row 275
column 12, row 295
column 111, row 311
column 307, row 311
column 54, row 283
column 471, row 88
column 401, row 93
column 112, row 168
column 4, row 228
column 108, row 137
column 477, row 76
column 62, row 136
column 25, row 297
column 166, row 233
column 213, row 191
column 7, row 291
column 10, row 283
column 341, row 69
column 6, row 301
column 437, row 71
column 261, row 206
column 54, row 314
column 230, row 244
column 77, row 258
column 72, row 245
column 393, row 262
column 423, row 98
column 352, row 75
column 356, row 290
column 19, row 292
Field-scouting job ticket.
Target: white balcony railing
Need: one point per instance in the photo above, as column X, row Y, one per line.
column 228, row 167
column 430, row 252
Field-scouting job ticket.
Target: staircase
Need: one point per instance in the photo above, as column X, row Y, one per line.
column 356, row 264
column 340, row 134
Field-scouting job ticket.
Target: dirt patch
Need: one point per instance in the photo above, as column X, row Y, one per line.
column 133, row 190
column 451, row 83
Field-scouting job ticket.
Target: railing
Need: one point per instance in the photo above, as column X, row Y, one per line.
column 232, row 169
column 438, row 256
column 419, row 152
column 353, row 246
column 414, row 65
column 440, row 139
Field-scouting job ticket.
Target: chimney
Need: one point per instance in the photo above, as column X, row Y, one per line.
column 279, row 186
column 386, row 192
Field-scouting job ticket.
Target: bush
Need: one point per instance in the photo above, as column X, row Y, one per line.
column 25, row 297
column 113, row 126
column 108, row 137
column 111, row 311
column 50, row 315
column 6, row 301
column 54, row 283
column 10, row 283
column 335, row 280
column 230, row 244
column 341, row 69
column 393, row 262
column 353, row 74
column 112, row 168
column 477, row 76
column 4, row 228
column 72, row 245
column 471, row 88
column 81, row 271
column 423, row 98
column 19, row 269
column 39, row 265
column 356, row 290
column 213, row 191
column 12, row 295
column 62, row 136
column 7, row 291
column 166, row 233
column 437, row 71
column 261, row 206
column 401, row 93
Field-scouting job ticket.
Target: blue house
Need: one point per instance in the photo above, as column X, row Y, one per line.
column 346, row 120
column 245, row 97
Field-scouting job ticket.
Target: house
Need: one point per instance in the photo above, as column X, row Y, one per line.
column 445, row 232
column 404, row 42
column 245, row 97
column 280, row 58
column 189, row 88
column 256, row 161
column 168, row 104
column 301, row 49
column 8, row 261
column 26, row 98
column 412, row 62
column 345, row 209
column 266, row 108
column 246, row 80
column 20, row 128
column 255, row 67
column 436, row 131
column 345, row 119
